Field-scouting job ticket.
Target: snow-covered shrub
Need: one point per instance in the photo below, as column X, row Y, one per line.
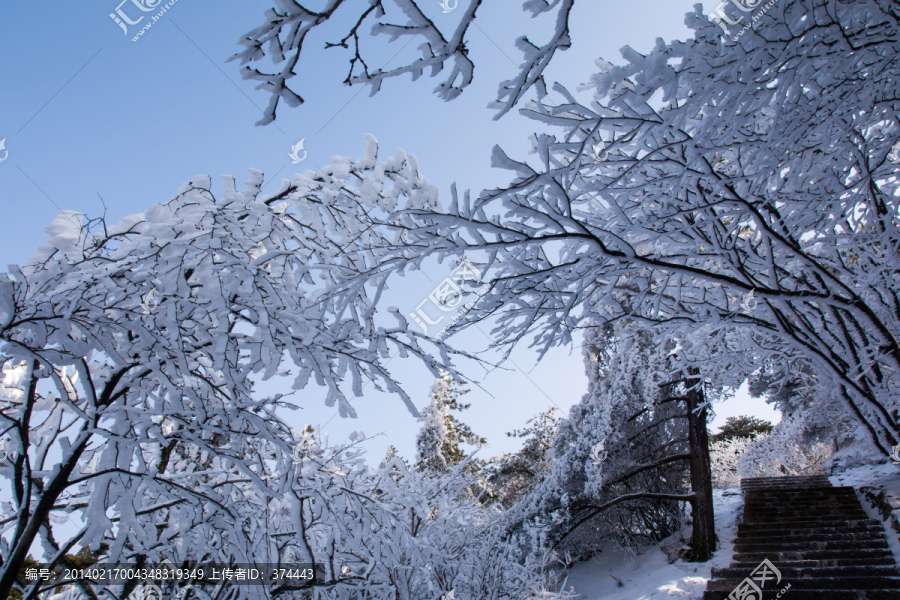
column 783, row 452
column 398, row 532
column 724, row 456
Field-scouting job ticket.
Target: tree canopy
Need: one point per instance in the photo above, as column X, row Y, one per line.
column 741, row 427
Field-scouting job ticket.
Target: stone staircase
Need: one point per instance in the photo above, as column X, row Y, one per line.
column 817, row 537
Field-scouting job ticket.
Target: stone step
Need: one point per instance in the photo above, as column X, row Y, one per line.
column 758, row 557
column 797, row 479
column 773, row 482
column 848, row 525
column 795, row 494
column 804, row 531
column 820, row 594
column 788, row 518
column 744, row 547
column 791, row 573
column 811, row 488
column 804, row 500
column 789, row 489
column 819, row 583
column 791, row 520
column 846, row 513
column 817, row 536
column 798, row 502
column 812, row 536
column 887, row 559
column 821, row 504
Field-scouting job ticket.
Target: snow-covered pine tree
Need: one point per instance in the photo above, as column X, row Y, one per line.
column 742, row 426
column 440, row 435
column 731, row 443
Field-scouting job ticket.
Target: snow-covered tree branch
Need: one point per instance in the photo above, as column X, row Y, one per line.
column 129, row 355
column 755, row 204
column 287, row 25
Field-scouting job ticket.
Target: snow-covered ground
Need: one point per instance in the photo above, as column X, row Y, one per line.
column 650, row 576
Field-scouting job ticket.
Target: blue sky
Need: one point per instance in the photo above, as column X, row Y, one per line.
column 87, row 113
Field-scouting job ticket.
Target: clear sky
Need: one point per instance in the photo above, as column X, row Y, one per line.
column 87, row 113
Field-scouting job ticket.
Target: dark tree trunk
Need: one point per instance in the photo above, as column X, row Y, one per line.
column 703, row 539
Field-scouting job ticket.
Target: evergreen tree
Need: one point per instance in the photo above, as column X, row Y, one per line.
column 438, row 440
column 513, row 476
column 743, row 426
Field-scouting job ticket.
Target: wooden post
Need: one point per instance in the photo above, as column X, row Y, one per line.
column 703, row 539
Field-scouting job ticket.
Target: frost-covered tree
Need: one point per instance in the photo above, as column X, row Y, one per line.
column 387, row 533
column 443, row 46
column 724, row 456
column 129, row 355
column 623, row 459
column 512, row 477
column 783, row 452
column 439, row 437
column 744, row 191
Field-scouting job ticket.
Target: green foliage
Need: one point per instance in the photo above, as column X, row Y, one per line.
column 743, row 426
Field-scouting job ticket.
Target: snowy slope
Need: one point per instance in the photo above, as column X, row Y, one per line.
column 649, row 576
